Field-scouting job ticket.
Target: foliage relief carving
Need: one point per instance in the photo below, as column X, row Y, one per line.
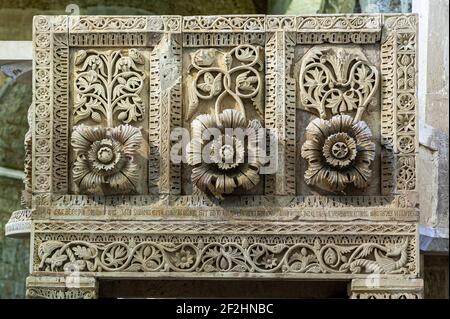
column 337, row 81
column 366, row 258
column 107, row 84
column 211, row 77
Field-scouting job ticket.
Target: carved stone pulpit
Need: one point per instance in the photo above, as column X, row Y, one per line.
column 215, row 147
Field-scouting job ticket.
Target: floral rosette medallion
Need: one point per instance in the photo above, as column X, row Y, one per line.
column 339, row 152
column 105, row 157
column 222, row 160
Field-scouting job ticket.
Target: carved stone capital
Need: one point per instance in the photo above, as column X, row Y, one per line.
column 71, row 286
column 19, row 224
column 377, row 287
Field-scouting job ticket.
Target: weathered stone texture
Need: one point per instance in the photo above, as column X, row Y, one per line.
column 433, row 165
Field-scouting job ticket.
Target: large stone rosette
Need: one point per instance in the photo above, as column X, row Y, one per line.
column 339, row 152
column 231, row 161
column 104, row 156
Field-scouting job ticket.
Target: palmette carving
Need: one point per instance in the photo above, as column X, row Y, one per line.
column 339, row 152
column 107, row 84
column 105, row 156
column 233, row 161
column 338, row 80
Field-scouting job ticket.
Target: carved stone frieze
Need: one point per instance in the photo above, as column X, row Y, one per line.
column 304, row 248
column 338, row 80
column 108, row 86
column 296, row 158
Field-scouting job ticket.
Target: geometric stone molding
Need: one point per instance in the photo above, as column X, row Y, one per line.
column 377, row 287
column 332, row 96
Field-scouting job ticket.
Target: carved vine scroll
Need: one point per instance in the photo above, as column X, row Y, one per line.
column 337, row 79
column 108, row 84
column 215, row 74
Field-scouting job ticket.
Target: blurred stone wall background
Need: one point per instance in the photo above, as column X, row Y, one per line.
column 14, row 254
column 15, row 98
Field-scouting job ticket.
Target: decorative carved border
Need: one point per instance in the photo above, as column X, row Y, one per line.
column 364, row 28
column 19, row 224
column 53, row 37
column 399, row 99
column 280, row 110
column 383, row 288
column 223, row 30
column 64, row 287
column 165, row 113
column 42, row 120
column 320, row 249
column 61, row 106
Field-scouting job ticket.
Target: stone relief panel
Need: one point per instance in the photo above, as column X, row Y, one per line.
column 364, row 249
column 339, row 86
column 108, row 86
column 338, row 91
column 224, row 93
column 110, row 106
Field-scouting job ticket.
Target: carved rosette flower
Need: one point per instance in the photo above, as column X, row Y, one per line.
column 183, row 259
column 339, row 152
column 104, row 156
column 232, row 161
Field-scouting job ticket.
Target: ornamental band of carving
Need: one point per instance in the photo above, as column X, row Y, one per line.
column 299, row 161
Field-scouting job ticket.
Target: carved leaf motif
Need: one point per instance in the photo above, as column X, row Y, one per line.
column 208, row 82
column 217, row 85
column 365, row 251
column 228, row 60
column 131, row 109
column 115, row 255
column 244, row 82
column 192, row 97
column 258, row 103
column 108, row 83
column 336, row 79
column 80, row 57
column 245, row 54
column 136, row 56
column 83, row 252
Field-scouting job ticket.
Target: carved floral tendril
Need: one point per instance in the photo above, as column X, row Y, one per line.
column 337, row 79
column 218, row 74
column 109, row 83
